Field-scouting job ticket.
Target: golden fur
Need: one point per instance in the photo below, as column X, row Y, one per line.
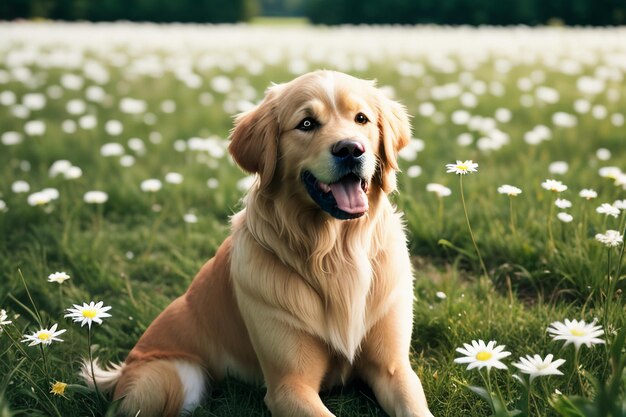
column 294, row 297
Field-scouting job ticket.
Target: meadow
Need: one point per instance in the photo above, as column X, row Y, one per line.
column 114, row 170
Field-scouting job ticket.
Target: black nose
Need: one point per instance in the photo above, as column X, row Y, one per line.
column 348, row 148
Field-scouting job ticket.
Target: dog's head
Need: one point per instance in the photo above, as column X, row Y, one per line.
column 327, row 137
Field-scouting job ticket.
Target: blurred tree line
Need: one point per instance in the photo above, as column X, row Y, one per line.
column 331, row 12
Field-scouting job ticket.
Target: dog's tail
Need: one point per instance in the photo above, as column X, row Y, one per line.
column 104, row 378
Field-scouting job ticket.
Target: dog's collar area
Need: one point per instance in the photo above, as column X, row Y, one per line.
column 350, row 190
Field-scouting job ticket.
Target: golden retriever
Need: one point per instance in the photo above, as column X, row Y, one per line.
column 314, row 285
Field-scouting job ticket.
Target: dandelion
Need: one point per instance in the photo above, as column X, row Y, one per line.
column 563, row 203
column 509, row 190
column 462, row 168
column 480, row 355
column 95, row 197
column 554, row 186
column 151, row 185
column 88, row 313
column 3, row 319
column 576, row 332
column 611, row 238
column 58, row 388
column 588, row 194
column 44, row 336
column 535, row 366
column 565, row 217
column 58, row 277
column 608, row 209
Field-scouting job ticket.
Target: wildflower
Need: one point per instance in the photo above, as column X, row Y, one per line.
column 88, row 313
column 151, row 185
column 173, row 178
column 245, row 183
column 620, row 204
column 564, row 217
column 58, row 388
column 3, row 319
column 112, row 149
column 588, row 194
column 3, row 206
column 576, row 332
column 610, row 172
column 509, row 190
column 414, row 171
column 558, row 167
column 479, row 355
column 39, row 198
column 554, row 185
column 608, row 209
column 20, row 187
column 114, row 127
column 462, row 168
column 563, row 203
column 611, row 238
column 73, row 173
column 441, row 295
column 603, row 154
column 95, row 197
column 535, row 366
column 190, row 218
column 212, row 183
column 440, row 190
column 58, row 277
column 44, row 336
column 59, row 167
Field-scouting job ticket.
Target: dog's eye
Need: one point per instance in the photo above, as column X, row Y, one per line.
column 307, row 124
column 361, row 119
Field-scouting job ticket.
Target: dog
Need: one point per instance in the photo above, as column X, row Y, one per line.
column 314, row 285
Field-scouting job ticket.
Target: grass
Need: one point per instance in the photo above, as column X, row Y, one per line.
column 136, row 253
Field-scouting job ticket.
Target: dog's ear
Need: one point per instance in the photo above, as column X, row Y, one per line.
column 254, row 139
column 395, row 133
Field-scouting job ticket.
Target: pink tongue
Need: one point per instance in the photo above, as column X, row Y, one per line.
column 349, row 195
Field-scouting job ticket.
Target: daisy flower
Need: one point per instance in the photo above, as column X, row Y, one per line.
column 95, row 197
column 88, row 313
column 611, row 238
column 58, row 388
column 3, row 319
column 440, row 190
column 58, row 277
column 174, row 178
column 151, row 185
column 509, row 190
column 563, row 203
column 565, row 217
column 576, row 332
column 620, row 204
column 535, row 366
column 480, row 355
column 588, row 194
column 44, row 336
column 608, row 209
column 462, row 167
column 554, row 185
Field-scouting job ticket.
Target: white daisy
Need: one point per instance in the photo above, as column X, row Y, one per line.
column 58, row 277
column 509, row 190
column 479, row 355
column 151, row 185
column 554, row 185
column 439, row 189
column 44, row 336
column 190, row 218
column 565, row 217
column 563, row 203
column 588, row 193
column 611, row 238
column 88, row 313
column 620, row 204
column 462, row 167
column 608, row 209
column 173, row 178
column 3, row 319
column 95, row 197
column 576, row 332
column 535, row 366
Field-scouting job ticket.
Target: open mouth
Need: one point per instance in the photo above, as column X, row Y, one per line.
column 344, row 199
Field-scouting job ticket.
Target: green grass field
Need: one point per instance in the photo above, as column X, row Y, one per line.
column 513, row 100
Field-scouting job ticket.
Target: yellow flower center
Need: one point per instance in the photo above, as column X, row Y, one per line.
column 89, row 314
column 577, row 333
column 58, row 388
column 484, row 356
column 43, row 336
column 462, row 167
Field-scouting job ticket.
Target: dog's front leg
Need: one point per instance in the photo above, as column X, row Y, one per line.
column 384, row 364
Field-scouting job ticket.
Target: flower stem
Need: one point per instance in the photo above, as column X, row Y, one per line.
column 512, row 217
column 608, row 295
column 480, row 258
column 93, row 375
column 45, row 362
column 551, row 244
